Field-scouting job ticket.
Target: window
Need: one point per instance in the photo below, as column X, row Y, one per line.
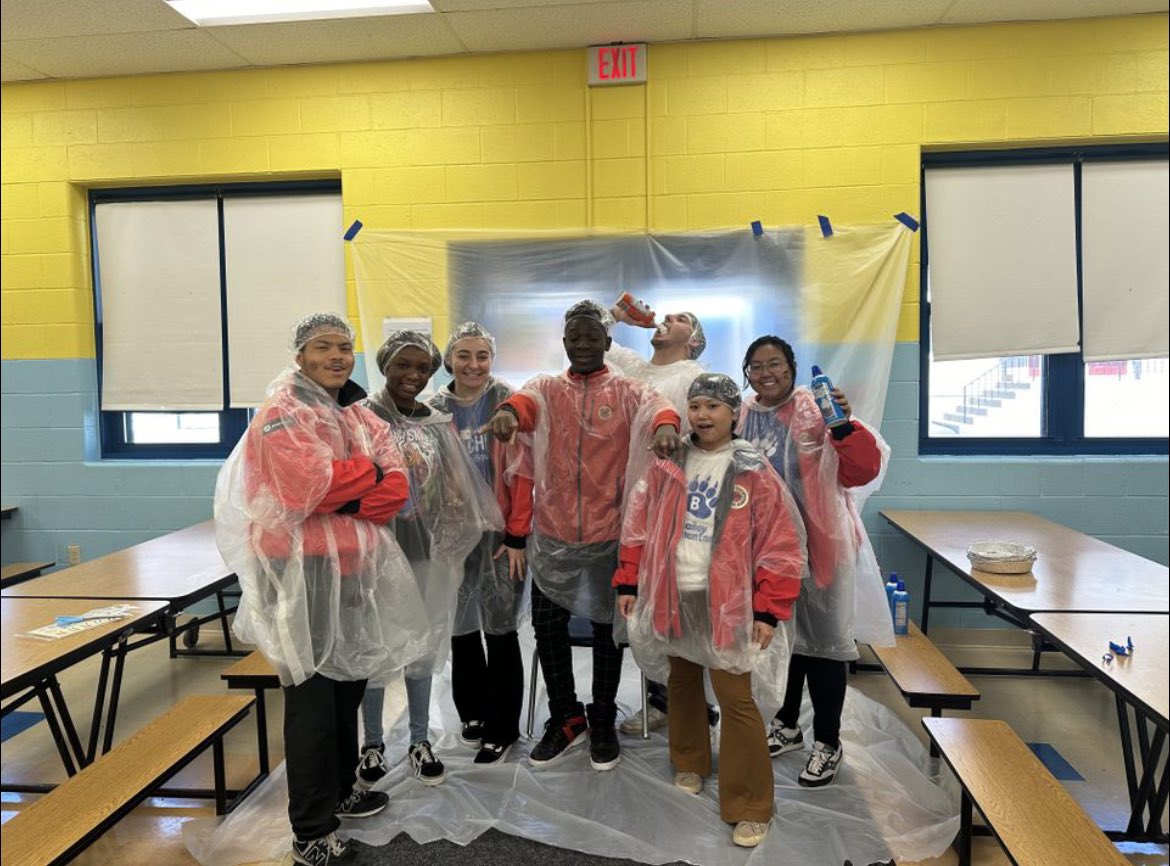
column 1044, row 297
column 196, row 289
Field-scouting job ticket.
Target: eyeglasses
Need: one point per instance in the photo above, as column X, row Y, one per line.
column 776, row 366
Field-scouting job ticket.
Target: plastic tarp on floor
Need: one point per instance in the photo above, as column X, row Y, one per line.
column 884, row 803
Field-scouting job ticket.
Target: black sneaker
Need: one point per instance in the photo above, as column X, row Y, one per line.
column 471, row 734
column 822, row 765
column 782, row 740
column 492, row 753
column 605, row 752
column 372, row 767
column 427, row 768
column 362, row 804
column 559, row 739
column 322, row 852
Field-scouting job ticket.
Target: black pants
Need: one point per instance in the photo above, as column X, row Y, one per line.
column 826, row 687
column 550, row 622
column 320, row 750
column 489, row 689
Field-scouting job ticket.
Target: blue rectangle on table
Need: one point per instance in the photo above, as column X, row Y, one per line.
column 17, row 721
column 1055, row 762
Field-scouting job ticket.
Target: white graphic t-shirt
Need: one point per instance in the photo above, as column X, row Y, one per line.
column 705, row 471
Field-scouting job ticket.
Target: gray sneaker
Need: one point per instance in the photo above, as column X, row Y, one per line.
column 822, row 765
column 782, row 739
column 322, row 852
column 632, row 725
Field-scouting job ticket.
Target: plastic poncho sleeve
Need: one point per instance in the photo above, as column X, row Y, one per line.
column 297, row 470
column 859, row 459
column 526, row 410
column 351, row 479
column 778, row 549
column 625, row 579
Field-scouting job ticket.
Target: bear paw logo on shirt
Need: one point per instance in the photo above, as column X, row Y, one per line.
column 701, row 496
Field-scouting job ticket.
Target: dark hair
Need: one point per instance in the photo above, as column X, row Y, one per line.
column 769, row 340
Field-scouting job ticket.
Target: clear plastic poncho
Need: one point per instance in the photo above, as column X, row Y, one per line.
column 669, row 380
column 489, row 600
column 843, row 600
column 590, row 447
column 757, row 525
column 322, row 593
column 449, row 510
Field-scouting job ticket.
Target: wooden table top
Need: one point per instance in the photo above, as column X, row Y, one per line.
column 176, row 566
column 1143, row 678
column 1032, row 814
column 1073, row 571
column 25, row 660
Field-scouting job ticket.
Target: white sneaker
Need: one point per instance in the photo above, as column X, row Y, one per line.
column 632, row 725
column 749, row 834
column 822, row 766
column 692, row 783
column 782, row 739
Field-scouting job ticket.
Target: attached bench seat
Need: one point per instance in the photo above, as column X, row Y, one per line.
column 924, row 676
column 255, row 672
column 63, row 822
column 18, row 572
column 1035, row 819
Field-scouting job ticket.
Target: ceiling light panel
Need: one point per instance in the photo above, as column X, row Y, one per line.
column 214, row 13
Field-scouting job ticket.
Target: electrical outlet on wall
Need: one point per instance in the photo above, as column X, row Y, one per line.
column 74, row 554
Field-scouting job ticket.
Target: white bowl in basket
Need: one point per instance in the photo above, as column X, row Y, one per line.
column 1001, row 557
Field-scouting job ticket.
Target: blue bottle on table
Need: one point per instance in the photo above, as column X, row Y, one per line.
column 822, row 387
column 901, row 600
column 891, row 586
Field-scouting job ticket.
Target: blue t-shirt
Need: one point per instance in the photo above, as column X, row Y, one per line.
column 469, row 421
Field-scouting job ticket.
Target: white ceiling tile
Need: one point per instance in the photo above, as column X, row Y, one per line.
column 123, row 54
column 340, row 40
column 13, row 71
column 574, row 25
column 742, row 18
column 974, row 11
column 40, row 19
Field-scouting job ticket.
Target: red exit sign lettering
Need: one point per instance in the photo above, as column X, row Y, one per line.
column 617, row 64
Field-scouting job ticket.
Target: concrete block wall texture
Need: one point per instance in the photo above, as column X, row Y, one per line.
column 724, row 133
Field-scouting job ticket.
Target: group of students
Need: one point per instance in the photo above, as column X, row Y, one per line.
column 373, row 534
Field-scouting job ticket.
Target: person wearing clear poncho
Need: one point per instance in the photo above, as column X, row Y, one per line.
column 449, row 509
column 842, row 601
column 593, row 432
column 678, row 341
column 711, row 561
column 301, row 507
column 488, row 687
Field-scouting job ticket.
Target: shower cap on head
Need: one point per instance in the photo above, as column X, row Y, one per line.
column 399, row 340
column 698, row 341
column 464, row 332
column 317, row 324
column 588, row 309
column 716, row 386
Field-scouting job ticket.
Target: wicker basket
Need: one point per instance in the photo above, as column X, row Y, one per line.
column 1001, row 557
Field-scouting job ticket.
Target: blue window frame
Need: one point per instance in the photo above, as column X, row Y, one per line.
column 1063, row 376
column 180, row 435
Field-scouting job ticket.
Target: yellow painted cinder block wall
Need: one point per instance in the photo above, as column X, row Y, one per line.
column 724, row 133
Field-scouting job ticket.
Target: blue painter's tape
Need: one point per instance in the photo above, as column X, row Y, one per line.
column 352, row 231
column 16, row 722
column 907, row 220
column 757, row 228
column 1055, row 762
column 826, row 226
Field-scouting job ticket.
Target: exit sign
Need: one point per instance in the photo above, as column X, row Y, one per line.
column 617, row 64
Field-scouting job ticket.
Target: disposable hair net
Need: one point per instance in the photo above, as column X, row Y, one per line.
column 757, row 560
column 489, row 600
column 591, row 310
column 842, row 601
column 716, row 386
column 323, row 591
column 698, row 341
column 399, row 340
column 316, row 325
column 449, row 509
column 465, row 331
column 591, row 445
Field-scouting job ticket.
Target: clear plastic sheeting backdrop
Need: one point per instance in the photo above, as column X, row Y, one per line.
column 836, row 299
column 885, row 802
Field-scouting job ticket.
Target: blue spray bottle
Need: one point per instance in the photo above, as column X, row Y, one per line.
column 891, row 585
column 821, row 386
column 901, row 600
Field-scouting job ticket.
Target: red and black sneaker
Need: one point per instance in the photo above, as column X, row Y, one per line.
column 560, row 738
